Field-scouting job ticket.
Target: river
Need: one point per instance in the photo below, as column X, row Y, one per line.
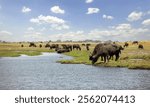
column 43, row 73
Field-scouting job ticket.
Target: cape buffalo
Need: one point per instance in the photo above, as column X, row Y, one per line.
column 47, row 45
column 32, row 44
column 126, row 44
column 54, row 46
column 69, row 47
column 40, row 46
column 105, row 51
column 141, row 46
column 135, row 42
column 22, row 45
column 61, row 50
column 76, row 46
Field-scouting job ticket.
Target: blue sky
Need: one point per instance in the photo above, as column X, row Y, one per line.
column 35, row 20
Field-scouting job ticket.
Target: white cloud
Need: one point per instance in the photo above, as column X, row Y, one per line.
column 25, row 9
column 93, row 10
column 134, row 16
column 108, row 17
column 57, row 9
column 146, row 22
column 120, row 32
column 124, row 26
column 59, row 27
column 55, row 22
column 30, row 28
column 4, row 32
column 89, row 1
column 47, row 19
column 77, row 35
column 0, row 7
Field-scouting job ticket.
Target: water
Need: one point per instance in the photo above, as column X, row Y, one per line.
column 43, row 73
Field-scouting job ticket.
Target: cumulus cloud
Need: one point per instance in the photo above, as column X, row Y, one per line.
column 55, row 22
column 119, row 32
column 57, row 9
column 89, row 1
column 134, row 16
column 4, row 32
column 76, row 35
column 25, row 9
column 47, row 19
column 93, row 10
column 108, row 17
column 146, row 22
column 59, row 27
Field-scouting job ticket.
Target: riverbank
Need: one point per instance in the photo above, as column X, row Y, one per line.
column 131, row 62
column 131, row 57
column 15, row 49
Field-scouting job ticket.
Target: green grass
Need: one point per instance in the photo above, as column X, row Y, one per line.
column 15, row 49
column 131, row 57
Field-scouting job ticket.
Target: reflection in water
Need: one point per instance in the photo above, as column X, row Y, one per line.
column 42, row 72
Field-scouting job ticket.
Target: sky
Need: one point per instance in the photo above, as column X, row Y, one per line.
column 44, row 20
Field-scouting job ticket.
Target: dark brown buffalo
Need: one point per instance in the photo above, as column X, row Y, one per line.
column 67, row 46
column 32, row 44
column 62, row 50
column 40, row 45
column 135, row 42
column 105, row 51
column 22, row 45
column 47, row 45
column 126, row 44
column 54, row 46
column 76, row 46
column 87, row 47
column 141, row 46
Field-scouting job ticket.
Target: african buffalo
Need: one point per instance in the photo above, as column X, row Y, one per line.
column 105, row 51
column 126, row 44
column 76, row 46
column 61, row 50
column 47, row 45
column 135, row 42
column 54, row 46
column 32, row 44
column 40, row 46
column 69, row 47
column 87, row 47
column 141, row 46
column 22, row 45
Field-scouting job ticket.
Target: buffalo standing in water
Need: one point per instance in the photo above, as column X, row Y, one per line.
column 105, row 51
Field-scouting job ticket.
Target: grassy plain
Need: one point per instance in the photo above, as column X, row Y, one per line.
column 131, row 57
column 15, row 49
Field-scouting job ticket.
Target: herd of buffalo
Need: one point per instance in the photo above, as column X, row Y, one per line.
column 105, row 50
